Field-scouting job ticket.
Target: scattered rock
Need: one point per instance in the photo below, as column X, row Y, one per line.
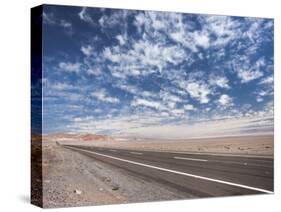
column 76, row 191
column 106, row 179
column 115, row 188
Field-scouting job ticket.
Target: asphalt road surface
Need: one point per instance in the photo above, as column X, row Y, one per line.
column 201, row 175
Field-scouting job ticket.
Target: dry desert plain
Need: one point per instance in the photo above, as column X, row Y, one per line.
column 70, row 178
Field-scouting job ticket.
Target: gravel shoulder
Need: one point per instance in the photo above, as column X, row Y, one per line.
column 73, row 179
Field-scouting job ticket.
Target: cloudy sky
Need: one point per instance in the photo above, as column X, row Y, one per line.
column 156, row 74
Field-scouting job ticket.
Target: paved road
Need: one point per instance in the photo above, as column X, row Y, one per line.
column 196, row 174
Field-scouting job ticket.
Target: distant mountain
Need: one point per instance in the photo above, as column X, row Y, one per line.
column 76, row 136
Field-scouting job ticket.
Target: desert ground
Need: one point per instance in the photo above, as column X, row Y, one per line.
column 70, row 178
column 252, row 145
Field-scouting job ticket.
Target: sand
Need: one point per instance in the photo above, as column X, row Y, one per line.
column 261, row 145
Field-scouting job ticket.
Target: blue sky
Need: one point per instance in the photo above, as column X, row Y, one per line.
column 156, row 74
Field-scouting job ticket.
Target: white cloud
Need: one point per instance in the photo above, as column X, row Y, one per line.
column 113, row 56
column 122, row 39
column 62, row 91
column 184, row 38
column 142, row 125
column 225, row 100
column 118, row 74
column 65, row 24
column 247, row 70
column 214, row 128
column 98, row 110
column 84, row 16
column 116, row 18
column 128, row 88
column 94, row 71
column 62, row 86
column 143, row 58
column 225, row 28
column 201, row 38
column 259, row 99
column 148, row 94
column 114, row 124
column 171, row 25
column 249, row 75
column 150, row 54
column 168, row 97
column 161, row 55
column 104, row 97
column 87, row 50
column 253, row 30
column 268, row 80
column 264, row 93
column 134, row 72
column 177, row 112
column 199, row 91
column 50, row 19
column 146, row 103
column 140, row 19
column 70, row 67
column 73, row 96
column 189, row 107
column 172, row 104
column 155, row 22
column 219, row 81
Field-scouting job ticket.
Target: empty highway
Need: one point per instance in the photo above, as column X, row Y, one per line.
column 201, row 175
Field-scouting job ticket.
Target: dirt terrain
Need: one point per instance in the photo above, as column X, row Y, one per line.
column 248, row 145
column 74, row 179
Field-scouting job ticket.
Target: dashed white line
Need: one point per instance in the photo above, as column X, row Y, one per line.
column 217, row 161
column 194, row 159
column 239, row 163
column 136, row 153
column 222, row 154
column 178, row 172
column 113, row 150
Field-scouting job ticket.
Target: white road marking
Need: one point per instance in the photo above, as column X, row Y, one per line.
column 217, row 161
column 195, row 159
column 221, row 154
column 136, row 153
column 113, row 150
column 239, row 163
column 178, row 172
